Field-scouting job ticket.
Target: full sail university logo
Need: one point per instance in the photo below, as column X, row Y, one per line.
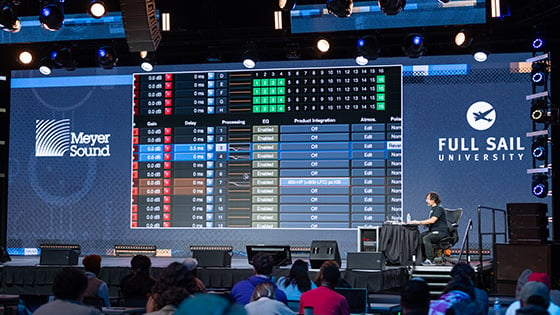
column 53, row 138
column 481, row 115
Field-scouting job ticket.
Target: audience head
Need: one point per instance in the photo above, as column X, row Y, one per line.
column 92, row 263
column 69, row 283
column 190, row 263
column 174, row 275
column 532, row 310
column 263, row 264
column 535, row 293
column 209, row 304
column 326, row 263
column 172, row 296
column 540, row 277
column 263, row 289
column 415, row 296
column 331, row 275
column 141, row 264
column 460, row 283
column 299, row 276
column 463, row 269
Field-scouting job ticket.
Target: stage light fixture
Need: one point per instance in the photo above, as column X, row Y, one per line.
column 539, row 110
column 25, row 57
column 52, row 14
column 286, row 5
column 413, row 45
column 480, row 55
column 46, row 66
column 340, row 8
column 539, row 148
column 249, row 58
column 540, row 185
column 147, row 62
column 97, row 8
column 323, row 45
column 9, row 20
column 107, row 57
column 368, row 47
column 391, row 7
column 63, row 58
column 538, row 73
column 538, row 43
column 463, row 38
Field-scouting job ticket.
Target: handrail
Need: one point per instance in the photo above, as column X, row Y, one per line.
column 466, row 240
column 493, row 233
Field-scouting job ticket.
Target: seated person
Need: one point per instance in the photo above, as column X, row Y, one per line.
column 415, row 297
column 262, row 265
column 535, row 299
column 325, row 300
column 169, row 300
column 535, row 277
column 341, row 283
column 263, row 302
column 297, row 281
column 96, row 287
column 458, row 292
column 138, row 284
column 69, row 287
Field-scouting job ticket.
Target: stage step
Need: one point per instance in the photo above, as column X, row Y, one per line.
column 436, row 277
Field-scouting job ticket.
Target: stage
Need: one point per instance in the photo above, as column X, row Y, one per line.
column 24, row 275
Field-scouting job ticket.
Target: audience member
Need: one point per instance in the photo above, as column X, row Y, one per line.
column 263, row 302
column 535, row 277
column 480, row 296
column 97, row 288
column 69, row 287
column 209, row 304
column 459, row 291
column 297, row 281
column 324, row 300
column 191, row 264
column 319, row 277
column 535, row 298
column 138, row 284
column 415, row 297
column 169, row 299
column 262, row 265
column 174, row 275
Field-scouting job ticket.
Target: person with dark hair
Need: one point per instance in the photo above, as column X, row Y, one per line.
column 97, row 288
column 297, row 281
column 342, row 283
column 169, row 300
column 138, row 284
column 437, row 227
column 415, row 297
column 459, row 291
column 174, row 275
column 480, row 296
column 69, row 286
column 263, row 302
column 262, row 264
column 534, row 277
column 324, row 300
column 191, row 264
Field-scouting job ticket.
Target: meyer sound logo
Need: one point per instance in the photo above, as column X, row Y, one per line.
column 53, row 138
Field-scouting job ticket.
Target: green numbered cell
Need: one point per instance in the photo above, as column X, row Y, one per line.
column 264, row 108
column 256, row 82
column 272, row 108
column 380, row 79
column 380, row 97
column 281, row 99
column 265, row 82
column 281, row 82
column 264, row 100
column 281, row 90
column 273, row 99
column 281, row 108
column 256, row 109
column 256, row 100
column 256, row 91
column 380, row 106
column 273, row 82
column 380, row 88
column 265, row 91
column 272, row 90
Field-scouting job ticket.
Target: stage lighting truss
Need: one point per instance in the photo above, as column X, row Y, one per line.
column 52, row 14
column 9, row 20
column 391, row 7
column 540, row 185
column 413, row 45
column 539, row 73
column 96, row 8
column 107, row 57
column 539, row 110
column 340, row 8
column 63, row 58
column 539, row 148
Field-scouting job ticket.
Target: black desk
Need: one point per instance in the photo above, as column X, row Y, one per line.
column 399, row 243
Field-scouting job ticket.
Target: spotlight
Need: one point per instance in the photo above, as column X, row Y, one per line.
column 52, row 14
column 368, row 47
column 413, row 45
column 539, row 148
column 249, row 58
column 286, row 5
column 9, row 20
column 97, row 8
column 539, row 110
column 480, row 55
column 463, row 39
column 107, row 57
column 46, row 66
column 538, row 43
column 391, row 7
column 25, row 57
column 538, row 73
column 340, row 8
column 323, row 45
column 63, row 58
column 148, row 61
column 540, row 185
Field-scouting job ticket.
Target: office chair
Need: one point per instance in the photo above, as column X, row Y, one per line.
column 442, row 248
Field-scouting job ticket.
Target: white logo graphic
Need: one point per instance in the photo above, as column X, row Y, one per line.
column 481, row 115
column 52, row 137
